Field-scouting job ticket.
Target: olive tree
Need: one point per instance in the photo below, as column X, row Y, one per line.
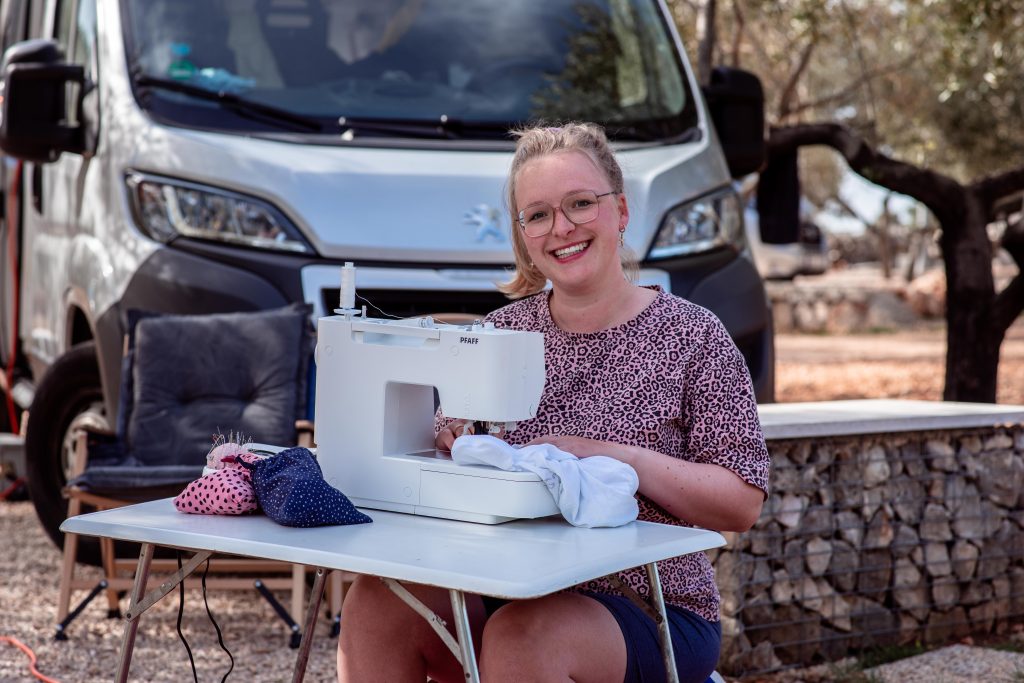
column 920, row 98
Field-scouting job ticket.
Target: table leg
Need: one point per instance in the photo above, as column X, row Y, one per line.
column 667, row 651
column 461, row 616
column 461, row 647
column 131, row 624
column 311, row 616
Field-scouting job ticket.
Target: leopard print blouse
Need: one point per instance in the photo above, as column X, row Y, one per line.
column 671, row 380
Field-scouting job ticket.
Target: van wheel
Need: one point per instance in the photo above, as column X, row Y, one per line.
column 70, row 391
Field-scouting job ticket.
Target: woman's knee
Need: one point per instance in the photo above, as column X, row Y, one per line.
column 551, row 639
column 370, row 606
column 514, row 622
column 521, row 629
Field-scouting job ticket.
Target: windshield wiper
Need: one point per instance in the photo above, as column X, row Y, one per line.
column 240, row 105
column 650, row 132
column 441, row 128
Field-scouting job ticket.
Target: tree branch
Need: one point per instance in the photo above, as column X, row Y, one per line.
column 762, row 54
column 1009, row 303
column 794, row 78
column 854, row 36
column 854, row 85
column 993, row 188
column 850, row 210
column 943, row 195
column 1013, row 242
column 739, row 28
column 706, row 48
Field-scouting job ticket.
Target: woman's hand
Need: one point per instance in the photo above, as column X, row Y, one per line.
column 446, row 437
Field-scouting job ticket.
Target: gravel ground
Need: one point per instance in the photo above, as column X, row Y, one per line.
column 957, row 663
column 954, row 664
column 28, row 594
column 909, row 364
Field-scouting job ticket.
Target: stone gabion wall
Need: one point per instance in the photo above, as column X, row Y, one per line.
column 876, row 540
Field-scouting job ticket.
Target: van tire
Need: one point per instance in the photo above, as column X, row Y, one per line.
column 70, row 388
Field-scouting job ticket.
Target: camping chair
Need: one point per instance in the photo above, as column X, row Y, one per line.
column 186, row 378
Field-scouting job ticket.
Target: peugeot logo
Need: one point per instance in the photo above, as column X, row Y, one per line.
column 485, row 219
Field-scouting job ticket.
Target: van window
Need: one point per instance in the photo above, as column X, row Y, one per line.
column 479, row 65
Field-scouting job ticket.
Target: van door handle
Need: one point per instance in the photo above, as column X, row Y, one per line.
column 37, row 187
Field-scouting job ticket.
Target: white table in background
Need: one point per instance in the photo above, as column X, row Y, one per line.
column 516, row 560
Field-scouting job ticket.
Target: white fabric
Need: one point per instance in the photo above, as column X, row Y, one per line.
column 590, row 492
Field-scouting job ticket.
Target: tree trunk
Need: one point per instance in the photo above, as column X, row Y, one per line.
column 972, row 343
column 706, row 47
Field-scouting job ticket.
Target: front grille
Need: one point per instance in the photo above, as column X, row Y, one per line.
column 409, row 303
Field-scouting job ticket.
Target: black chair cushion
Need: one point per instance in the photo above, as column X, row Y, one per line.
column 193, row 377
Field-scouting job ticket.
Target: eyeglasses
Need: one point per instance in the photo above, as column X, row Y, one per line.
column 536, row 220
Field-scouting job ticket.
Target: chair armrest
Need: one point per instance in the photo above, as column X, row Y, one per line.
column 94, row 430
column 86, row 426
column 304, row 433
column 90, row 424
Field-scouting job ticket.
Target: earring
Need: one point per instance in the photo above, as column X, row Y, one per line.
column 622, row 236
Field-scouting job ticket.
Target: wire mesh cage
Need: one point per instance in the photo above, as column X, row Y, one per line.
column 877, row 540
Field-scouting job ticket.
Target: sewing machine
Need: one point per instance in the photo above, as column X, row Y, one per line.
column 375, row 382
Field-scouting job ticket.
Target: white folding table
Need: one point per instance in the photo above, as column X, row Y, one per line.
column 516, row 560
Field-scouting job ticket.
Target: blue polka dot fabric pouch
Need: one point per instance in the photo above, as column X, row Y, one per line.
column 292, row 491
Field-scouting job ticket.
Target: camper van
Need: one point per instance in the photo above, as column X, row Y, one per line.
column 194, row 156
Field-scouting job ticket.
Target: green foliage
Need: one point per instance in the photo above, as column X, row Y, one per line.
column 851, row 673
column 889, row 653
column 1011, row 646
column 857, row 670
column 931, row 82
column 583, row 90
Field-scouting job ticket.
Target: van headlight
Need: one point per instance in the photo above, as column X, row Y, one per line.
column 165, row 209
column 712, row 221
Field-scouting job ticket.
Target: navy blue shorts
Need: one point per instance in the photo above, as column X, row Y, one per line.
column 695, row 641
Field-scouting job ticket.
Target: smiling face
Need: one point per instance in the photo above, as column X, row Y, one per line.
column 575, row 258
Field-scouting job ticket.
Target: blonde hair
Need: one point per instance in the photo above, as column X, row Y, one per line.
column 539, row 141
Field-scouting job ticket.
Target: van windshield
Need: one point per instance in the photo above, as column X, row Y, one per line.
column 381, row 68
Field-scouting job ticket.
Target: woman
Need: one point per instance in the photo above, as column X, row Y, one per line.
column 633, row 373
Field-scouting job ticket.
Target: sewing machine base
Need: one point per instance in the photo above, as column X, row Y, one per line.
column 469, row 493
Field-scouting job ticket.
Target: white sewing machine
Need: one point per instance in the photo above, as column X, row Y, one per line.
column 375, row 383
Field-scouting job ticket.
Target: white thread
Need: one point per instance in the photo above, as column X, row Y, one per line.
column 348, row 285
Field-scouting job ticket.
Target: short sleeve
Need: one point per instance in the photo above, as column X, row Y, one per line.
column 719, row 411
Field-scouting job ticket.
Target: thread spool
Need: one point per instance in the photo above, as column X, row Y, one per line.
column 348, row 285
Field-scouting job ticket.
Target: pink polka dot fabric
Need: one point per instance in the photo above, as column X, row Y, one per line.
column 227, row 491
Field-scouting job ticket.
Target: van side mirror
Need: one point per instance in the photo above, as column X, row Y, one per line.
column 736, row 102
column 34, row 116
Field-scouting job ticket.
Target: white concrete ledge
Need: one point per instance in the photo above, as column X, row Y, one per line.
column 880, row 416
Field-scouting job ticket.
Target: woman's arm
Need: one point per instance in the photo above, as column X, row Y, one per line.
column 705, row 495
